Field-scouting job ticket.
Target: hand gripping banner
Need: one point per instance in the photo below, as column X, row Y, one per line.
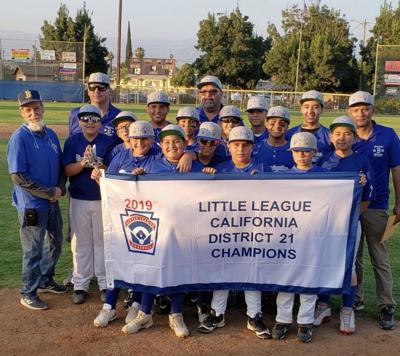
column 274, row 232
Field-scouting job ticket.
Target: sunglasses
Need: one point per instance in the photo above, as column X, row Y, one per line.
column 205, row 142
column 211, row 92
column 91, row 119
column 230, row 120
column 98, row 87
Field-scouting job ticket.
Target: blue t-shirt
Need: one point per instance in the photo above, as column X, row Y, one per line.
column 106, row 126
column 229, row 167
column 353, row 163
column 277, row 157
column 162, row 165
column 125, row 162
column 117, row 149
column 261, row 138
column 383, row 150
column 37, row 155
column 323, row 140
column 81, row 185
column 203, row 117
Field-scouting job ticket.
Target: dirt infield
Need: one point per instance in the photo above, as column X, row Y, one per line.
column 67, row 329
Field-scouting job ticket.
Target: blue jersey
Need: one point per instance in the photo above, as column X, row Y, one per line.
column 162, row 165
column 314, row 169
column 125, row 162
column 37, row 155
column 383, row 150
column 229, row 167
column 157, row 130
column 81, row 185
column 215, row 160
column 117, row 149
column 261, row 138
column 277, row 157
column 194, row 147
column 323, row 140
column 353, row 163
column 106, row 126
column 203, row 117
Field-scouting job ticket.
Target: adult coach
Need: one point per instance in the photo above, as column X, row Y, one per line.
column 382, row 146
column 34, row 163
column 100, row 95
column 210, row 92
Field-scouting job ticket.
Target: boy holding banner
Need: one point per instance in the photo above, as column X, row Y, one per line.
column 343, row 159
column 188, row 118
column 241, row 142
column 304, row 147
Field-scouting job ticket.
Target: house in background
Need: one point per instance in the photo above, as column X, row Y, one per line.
column 39, row 72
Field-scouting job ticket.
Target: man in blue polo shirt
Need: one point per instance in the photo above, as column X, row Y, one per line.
column 312, row 106
column 34, row 163
column 210, row 92
column 381, row 144
column 100, row 95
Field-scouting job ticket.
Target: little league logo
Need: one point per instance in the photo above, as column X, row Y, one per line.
column 141, row 231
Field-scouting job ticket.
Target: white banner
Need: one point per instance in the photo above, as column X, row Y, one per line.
column 286, row 232
column 48, row 55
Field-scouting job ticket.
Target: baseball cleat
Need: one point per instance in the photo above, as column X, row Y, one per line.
column 177, row 324
column 257, row 325
column 106, row 315
column 132, row 312
column 212, row 322
column 142, row 321
column 347, row 321
column 386, row 318
column 304, row 333
column 279, row 331
column 322, row 313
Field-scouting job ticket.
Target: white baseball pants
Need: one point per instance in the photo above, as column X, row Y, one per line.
column 253, row 302
column 284, row 303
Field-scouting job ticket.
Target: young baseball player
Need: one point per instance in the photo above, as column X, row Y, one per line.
column 312, row 106
column 274, row 151
column 173, row 144
column 343, row 159
column 121, row 125
column 241, row 142
column 209, row 139
column 83, row 151
column 229, row 117
column 141, row 154
column 257, row 114
column 188, row 119
column 158, row 109
column 304, row 147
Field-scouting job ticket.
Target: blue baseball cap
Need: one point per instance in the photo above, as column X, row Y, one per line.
column 28, row 96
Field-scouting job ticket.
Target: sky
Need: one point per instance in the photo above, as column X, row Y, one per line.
column 164, row 26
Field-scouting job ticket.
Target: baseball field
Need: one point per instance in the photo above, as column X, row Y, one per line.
column 67, row 329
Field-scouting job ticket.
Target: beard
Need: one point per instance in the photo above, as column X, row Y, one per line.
column 36, row 126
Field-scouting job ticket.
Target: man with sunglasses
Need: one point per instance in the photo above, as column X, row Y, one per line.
column 257, row 114
column 210, row 92
column 99, row 93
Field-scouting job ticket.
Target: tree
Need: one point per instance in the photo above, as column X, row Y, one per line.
column 387, row 31
column 139, row 52
column 184, row 77
column 327, row 62
column 128, row 50
column 230, row 49
column 67, row 29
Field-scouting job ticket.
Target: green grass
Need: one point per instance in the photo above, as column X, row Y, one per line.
column 57, row 113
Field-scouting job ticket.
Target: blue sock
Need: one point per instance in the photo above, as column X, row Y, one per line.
column 348, row 299
column 325, row 298
column 176, row 302
column 112, row 297
column 147, row 302
column 137, row 297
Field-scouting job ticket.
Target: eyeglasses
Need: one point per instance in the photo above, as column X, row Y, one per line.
column 91, row 119
column 123, row 128
column 211, row 92
column 230, row 120
column 98, row 87
column 205, row 142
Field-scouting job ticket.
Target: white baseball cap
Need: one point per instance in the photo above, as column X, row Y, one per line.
column 210, row 79
column 241, row 133
column 140, row 129
column 123, row 116
column 279, row 111
column 209, row 131
column 158, row 97
column 172, row 129
column 343, row 121
column 99, row 78
column 303, row 141
column 230, row 111
column 312, row 95
column 89, row 110
column 188, row 112
column 361, row 97
column 257, row 103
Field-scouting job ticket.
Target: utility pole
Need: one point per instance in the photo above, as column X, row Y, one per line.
column 364, row 30
column 84, row 62
column 118, row 78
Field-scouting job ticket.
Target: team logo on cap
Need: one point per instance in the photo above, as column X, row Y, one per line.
column 141, row 231
column 28, row 94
